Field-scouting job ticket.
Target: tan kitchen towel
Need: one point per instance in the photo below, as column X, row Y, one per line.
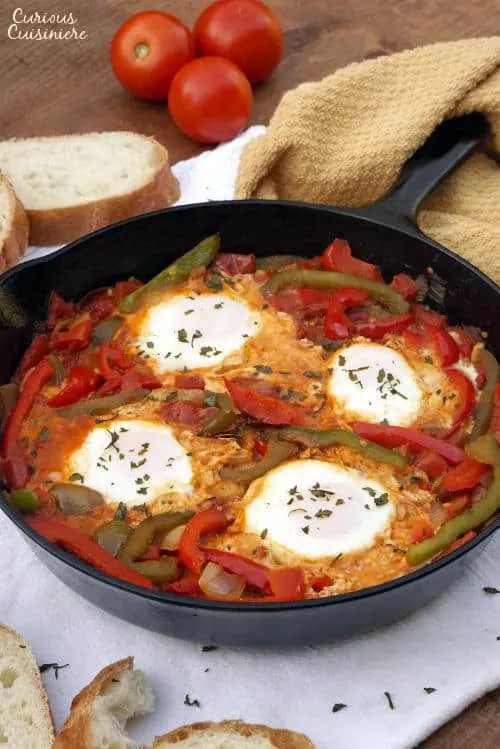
column 343, row 141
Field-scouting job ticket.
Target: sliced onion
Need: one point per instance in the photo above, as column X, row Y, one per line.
column 214, row 581
column 171, row 540
column 73, row 499
column 437, row 514
column 105, row 330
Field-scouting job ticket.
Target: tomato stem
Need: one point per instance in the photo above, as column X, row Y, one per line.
column 142, row 50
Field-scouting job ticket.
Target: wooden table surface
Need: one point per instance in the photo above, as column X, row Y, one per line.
column 55, row 87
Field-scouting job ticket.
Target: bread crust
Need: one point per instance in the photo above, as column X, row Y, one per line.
column 75, row 731
column 280, row 738
column 14, row 244
column 42, row 695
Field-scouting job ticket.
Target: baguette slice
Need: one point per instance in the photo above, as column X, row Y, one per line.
column 13, row 226
column 232, row 734
column 72, row 184
column 101, row 710
column 25, row 719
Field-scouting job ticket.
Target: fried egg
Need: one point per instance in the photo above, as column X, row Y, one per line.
column 190, row 331
column 316, row 509
column 131, row 461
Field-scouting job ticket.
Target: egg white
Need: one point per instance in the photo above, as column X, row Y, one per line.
column 194, row 331
column 373, row 382
column 316, row 509
column 132, row 461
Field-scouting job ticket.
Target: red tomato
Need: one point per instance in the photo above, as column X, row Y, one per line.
column 210, row 100
column 232, row 263
column 338, row 257
column 246, row 32
column 406, row 286
column 148, row 50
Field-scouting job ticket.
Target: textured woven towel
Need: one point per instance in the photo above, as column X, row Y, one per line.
column 344, row 140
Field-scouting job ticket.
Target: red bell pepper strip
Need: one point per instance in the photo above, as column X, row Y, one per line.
column 465, row 475
column 15, row 464
column 406, row 286
column 81, row 382
column 377, row 329
column 337, row 324
column 75, row 338
column 465, row 342
column 432, row 464
column 38, row 348
column 58, row 310
column 420, row 530
column 201, row 524
column 393, row 436
column 445, row 347
column 88, row 550
column 255, row 574
column 465, row 396
column 264, row 408
column 338, row 257
column 424, row 315
column 287, row 583
column 313, row 301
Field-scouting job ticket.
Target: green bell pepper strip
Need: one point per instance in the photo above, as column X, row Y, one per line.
column 25, row 500
column 165, row 570
column 484, row 450
column 141, row 537
column 223, row 420
column 178, row 271
column 327, row 437
column 111, row 536
column 277, row 452
column 329, row 280
column 486, row 399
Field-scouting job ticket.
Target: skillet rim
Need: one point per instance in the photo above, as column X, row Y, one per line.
column 369, row 214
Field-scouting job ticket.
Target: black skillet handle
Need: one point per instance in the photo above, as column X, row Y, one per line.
column 446, row 148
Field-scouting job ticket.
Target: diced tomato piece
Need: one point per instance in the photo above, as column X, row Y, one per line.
column 318, row 582
column 186, row 586
column 377, row 329
column 103, row 306
column 413, row 340
column 338, row 257
column 75, row 338
column 465, row 475
column 233, row 263
column 456, row 506
column 432, row 464
column 314, row 301
column 264, row 408
column 38, row 348
column 58, row 310
column 287, row 583
column 181, row 412
column 428, row 316
column 201, row 524
column 406, row 286
column 421, row 530
column 288, row 301
column 189, row 382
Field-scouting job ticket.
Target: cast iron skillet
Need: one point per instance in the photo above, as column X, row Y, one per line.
column 385, row 234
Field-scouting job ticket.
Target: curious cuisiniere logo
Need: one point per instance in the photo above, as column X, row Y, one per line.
column 37, row 26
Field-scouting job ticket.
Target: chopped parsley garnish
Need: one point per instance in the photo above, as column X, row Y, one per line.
column 263, row 368
column 381, row 500
column 342, row 360
column 182, row 335
column 429, row 690
column 389, row 700
column 191, row 703
column 144, row 448
column 212, row 282
column 196, row 334
column 76, row 477
column 143, row 490
column 323, row 514
column 338, row 706
column 114, row 439
column 188, row 311
column 43, row 434
column 208, row 648
column 490, row 590
column 210, row 399
column 150, row 344
column 312, row 375
column 121, row 511
column 54, row 666
column 219, row 305
column 263, row 535
column 429, row 360
column 305, row 529
column 133, row 464
column 339, row 501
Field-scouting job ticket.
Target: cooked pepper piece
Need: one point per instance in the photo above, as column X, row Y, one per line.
column 255, row 574
column 486, row 399
column 327, row 280
column 88, row 550
column 483, row 450
column 81, row 382
column 465, row 396
column 201, row 524
column 25, row 500
column 58, row 310
column 159, row 571
column 38, row 348
column 223, row 420
column 277, row 451
column 75, row 338
column 338, row 257
column 111, row 536
column 180, row 270
column 392, row 436
column 444, row 346
column 141, row 537
column 327, row 437
column 465, row 475
column 106, row 403
column 377, row 329
column 264, row 408
column 337, row 324
column 15, row 463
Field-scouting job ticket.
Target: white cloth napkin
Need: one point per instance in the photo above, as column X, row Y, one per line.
column 452, row 645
